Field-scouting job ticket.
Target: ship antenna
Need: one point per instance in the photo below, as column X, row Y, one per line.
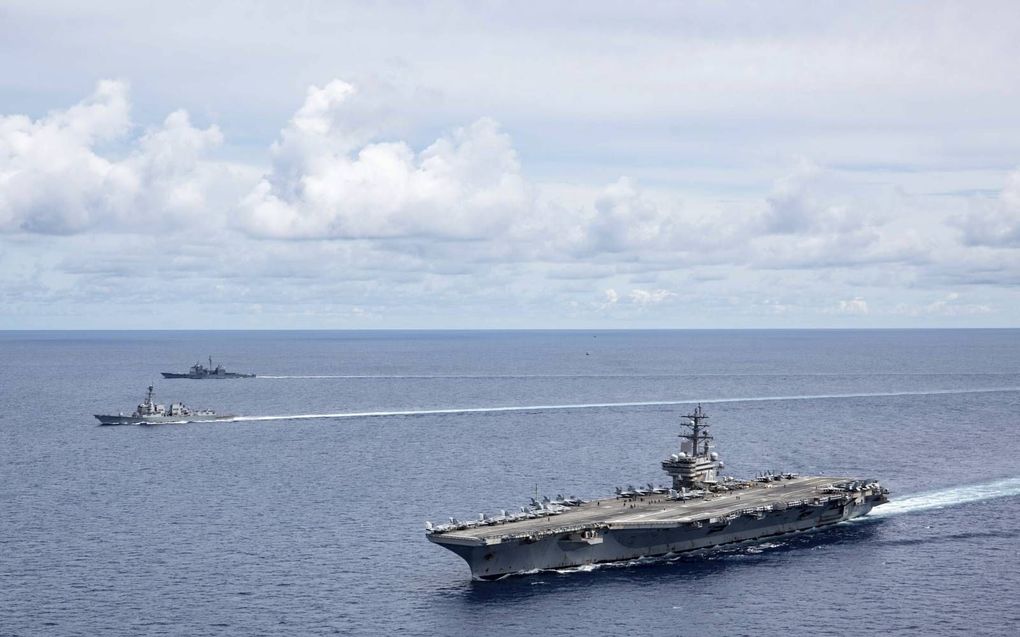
column 699, row 431
column 697, row 466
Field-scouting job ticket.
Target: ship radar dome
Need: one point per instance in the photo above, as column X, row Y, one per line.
column 714, row 456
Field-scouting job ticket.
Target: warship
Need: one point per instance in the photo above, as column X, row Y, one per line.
column 151, row 413
column 199, row 371
column 700, row 509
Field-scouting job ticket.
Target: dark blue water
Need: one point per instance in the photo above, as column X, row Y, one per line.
column 314, row 526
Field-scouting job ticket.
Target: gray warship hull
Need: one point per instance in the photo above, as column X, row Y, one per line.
column 158, row 420
column 207, row 376
column 199, row 371
column 620, row 529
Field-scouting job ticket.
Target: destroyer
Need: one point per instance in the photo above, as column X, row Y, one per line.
column 199, row 371
column 700, row 510
column 150, row 413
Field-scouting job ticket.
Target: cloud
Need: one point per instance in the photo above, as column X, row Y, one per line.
column 950, row 305
column 812, row 199
column 348, row 213
column 54, row 180
column 995, row 224
column 327, row 182
column 624, row 220
column 856, row 306
column 649, row 297
column 330, row 181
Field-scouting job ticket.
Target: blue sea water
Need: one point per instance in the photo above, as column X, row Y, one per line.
column 314, row 526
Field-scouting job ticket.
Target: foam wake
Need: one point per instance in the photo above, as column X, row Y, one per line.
column 476, row 376
column 948, row 497
column 632, row 375
column 647, row 403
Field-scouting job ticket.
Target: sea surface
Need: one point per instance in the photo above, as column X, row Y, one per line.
column 314, row 525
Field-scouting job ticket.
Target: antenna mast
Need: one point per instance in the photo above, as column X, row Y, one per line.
column 698, row 432
column 696, row 465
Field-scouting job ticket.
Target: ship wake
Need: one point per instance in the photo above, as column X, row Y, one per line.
column 483, row 376
column 943, row 498
column 646, row 403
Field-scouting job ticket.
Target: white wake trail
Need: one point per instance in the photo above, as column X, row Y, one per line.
column 948, row 497
column 648, row 403
column 264, row 376
column 596, row 375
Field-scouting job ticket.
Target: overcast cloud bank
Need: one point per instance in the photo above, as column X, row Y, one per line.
column 395, row 199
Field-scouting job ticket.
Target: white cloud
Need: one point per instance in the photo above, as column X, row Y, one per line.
column 997, row 223
column 625, row 220
column 54, row 180
column 814, row 200
column 326, row 182
column 349, row 214
column 649, row 297
column 855, row 307
column 950, row 305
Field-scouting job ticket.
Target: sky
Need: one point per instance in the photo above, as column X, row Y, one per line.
column 331, row 165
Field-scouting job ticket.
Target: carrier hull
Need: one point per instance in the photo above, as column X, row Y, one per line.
column 612, row 531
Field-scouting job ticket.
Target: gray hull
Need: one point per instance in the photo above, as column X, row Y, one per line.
column 157, row 420
column 207, row 376
column 624, row 544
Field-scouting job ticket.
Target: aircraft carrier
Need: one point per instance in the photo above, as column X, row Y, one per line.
column 700, row 510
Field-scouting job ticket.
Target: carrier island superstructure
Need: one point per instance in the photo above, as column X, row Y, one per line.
column 700, row 509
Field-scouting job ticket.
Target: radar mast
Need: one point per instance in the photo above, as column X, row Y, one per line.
column 696, row 465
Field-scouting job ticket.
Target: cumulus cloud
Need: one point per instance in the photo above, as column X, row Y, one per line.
column 818, row 217
column 55, row 180
column 327, row 182
column 624, row 219
column 330, row 180
column 950, row 305
column 856, row 306
column 649, row 297
column 995, row 224
column 355, row 213
column 813, row 218
column 811, row 199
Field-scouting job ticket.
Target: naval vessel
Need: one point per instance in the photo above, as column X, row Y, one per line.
column 199, row 371
column 701, row 509
column 152, row 413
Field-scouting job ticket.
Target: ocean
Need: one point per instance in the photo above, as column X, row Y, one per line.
column 304, row 516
